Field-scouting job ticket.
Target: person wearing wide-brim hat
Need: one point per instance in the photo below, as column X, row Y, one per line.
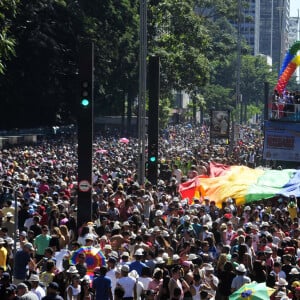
column 294, row 275
column 35, row 286
column 241, row 278
column 281, row 282
column 282, row 286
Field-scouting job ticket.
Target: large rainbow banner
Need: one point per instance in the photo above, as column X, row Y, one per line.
column 243, row 184
column 289, row 65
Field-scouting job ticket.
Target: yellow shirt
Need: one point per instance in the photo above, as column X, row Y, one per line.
column 292, row 212
column 3, row 257
column 46, row 278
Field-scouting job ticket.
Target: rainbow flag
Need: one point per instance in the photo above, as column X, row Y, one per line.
column 243, row 184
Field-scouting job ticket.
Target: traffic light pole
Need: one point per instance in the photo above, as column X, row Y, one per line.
column 85, row 132
column 154, row 87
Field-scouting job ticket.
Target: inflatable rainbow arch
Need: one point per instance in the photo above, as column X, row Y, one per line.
column 289, row 65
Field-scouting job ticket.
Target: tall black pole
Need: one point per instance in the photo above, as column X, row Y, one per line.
column 85, row 132
column 154, row 87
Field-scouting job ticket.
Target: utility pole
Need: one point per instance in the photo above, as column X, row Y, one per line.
column 238, row 65
column 142, row 91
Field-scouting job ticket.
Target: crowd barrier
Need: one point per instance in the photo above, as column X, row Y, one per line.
column 285, row 111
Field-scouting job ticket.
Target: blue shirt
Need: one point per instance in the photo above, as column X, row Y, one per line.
column 102, row 285
column 22, row 258
column 137, row 266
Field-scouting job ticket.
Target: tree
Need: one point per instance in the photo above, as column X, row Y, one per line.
column 42, row 76
column 254, row 73
column 7, row 42
column 179, row 37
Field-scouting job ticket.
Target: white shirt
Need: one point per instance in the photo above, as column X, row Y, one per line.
column 145, row 281
column 128, row 284
column 39, row 291
column 112, row 275
column 239, row 281
column 75, row 291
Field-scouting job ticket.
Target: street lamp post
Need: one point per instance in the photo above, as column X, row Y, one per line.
column 142, row 90
column 238, row 69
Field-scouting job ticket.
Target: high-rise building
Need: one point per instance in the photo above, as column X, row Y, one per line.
column 273, row 29
column 294, row 35
column 248, row 23
column 294, row 29
column 265, row 26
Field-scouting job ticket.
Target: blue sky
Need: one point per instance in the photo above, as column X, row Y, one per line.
column 294, row 6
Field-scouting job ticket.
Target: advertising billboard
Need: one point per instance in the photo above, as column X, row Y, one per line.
column 282, row 141
column 219, row 124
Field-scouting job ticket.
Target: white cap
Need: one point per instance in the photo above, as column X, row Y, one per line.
column 34, row 277
column 125, row 268
column 175, row 257
column 159, row 260
column 186, row 218
column 139, row 252
column 133, row 274
column 158, row 213
column 241, row 268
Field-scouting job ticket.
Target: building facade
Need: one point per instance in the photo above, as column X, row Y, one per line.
column 265, row 27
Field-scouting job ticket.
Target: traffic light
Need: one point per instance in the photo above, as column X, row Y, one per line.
column 152, row 163
column 152, row 154
column 86, row 77
column 152, row 159
column 154, row 87
column 85, row 100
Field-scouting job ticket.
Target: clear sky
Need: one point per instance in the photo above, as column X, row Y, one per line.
column 294, row 7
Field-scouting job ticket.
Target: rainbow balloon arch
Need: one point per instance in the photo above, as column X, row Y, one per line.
column 289, row 65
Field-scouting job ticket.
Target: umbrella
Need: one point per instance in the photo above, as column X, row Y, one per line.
column 124, row 140
column 252, row 291
column 101, row 151
column 93, row 258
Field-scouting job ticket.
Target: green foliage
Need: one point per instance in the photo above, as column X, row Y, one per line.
column 42, row 76
column 218, row 97
column 216, row 9
column 293, row 85
column 113, row 26
column 254, row 73
column 164, row 112
column 7, row 41
column 194, row 39
column 181, row 40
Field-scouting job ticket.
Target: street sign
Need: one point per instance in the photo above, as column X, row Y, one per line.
column 84, row 186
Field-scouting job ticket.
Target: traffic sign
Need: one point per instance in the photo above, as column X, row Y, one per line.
column 84, row 186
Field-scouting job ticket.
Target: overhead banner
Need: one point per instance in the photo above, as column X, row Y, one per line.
column 219, row 124
column 282, row 141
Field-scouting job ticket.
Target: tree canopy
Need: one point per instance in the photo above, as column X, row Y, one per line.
column 39, row 42
column 8, row 10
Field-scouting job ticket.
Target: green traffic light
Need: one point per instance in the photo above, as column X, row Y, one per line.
column 85, row 102
column 152, row 159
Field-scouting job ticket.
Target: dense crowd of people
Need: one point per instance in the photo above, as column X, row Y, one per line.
column 156, row 245
column 286, row 105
